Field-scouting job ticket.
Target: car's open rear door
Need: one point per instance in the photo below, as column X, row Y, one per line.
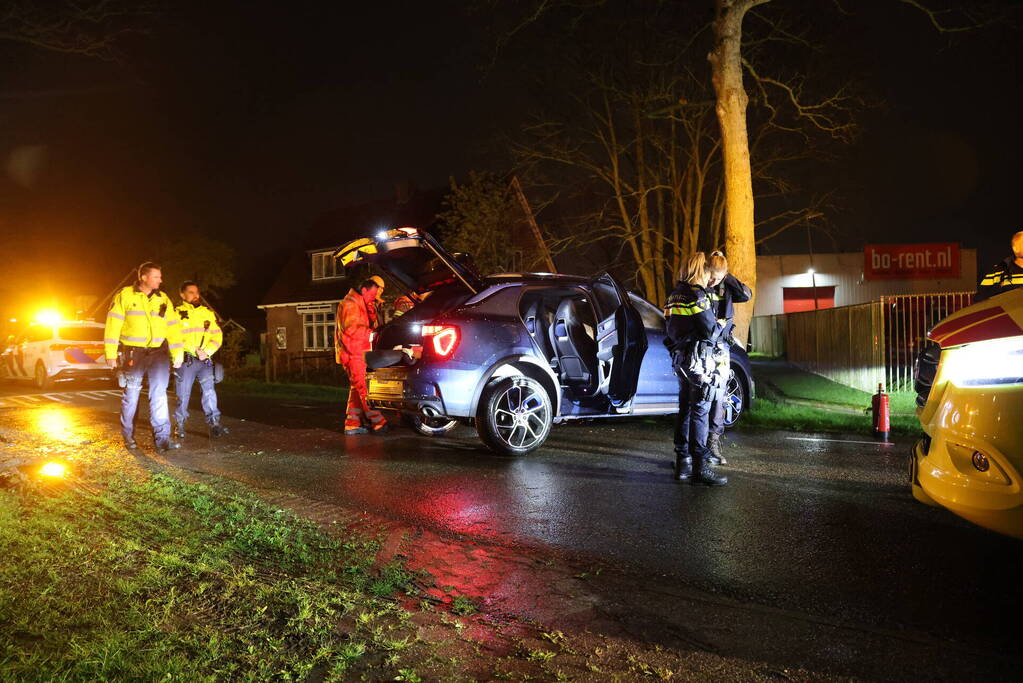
column 621, row 338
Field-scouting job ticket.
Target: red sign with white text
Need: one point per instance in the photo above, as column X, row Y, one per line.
column 935, row 261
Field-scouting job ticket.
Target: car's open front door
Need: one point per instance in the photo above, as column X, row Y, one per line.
column 621, row 338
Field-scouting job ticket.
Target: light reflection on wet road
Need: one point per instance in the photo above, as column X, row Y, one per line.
column 822, row 527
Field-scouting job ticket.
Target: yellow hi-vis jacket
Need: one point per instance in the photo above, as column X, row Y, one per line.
column 196, row 333
column 143, row 320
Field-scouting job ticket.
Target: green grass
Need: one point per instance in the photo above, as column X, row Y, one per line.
column 770, row 414
column 148, row 577
column 310, row 392
column 798, row 384
column 784, row 393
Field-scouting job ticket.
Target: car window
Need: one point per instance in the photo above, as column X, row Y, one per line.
column 38, row 333
column 653, row 318
column 81, row 333
column 606, row 299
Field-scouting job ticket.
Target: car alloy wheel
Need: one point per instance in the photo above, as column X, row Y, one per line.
column 735, row 399
column 515, row 415
column 42, row 380
column 431, row 426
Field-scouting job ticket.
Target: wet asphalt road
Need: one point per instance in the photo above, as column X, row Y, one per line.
column 810, row 524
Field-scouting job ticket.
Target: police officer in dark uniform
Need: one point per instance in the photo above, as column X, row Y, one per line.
column 725, row 289
column 1005, row 276
column 692, row 336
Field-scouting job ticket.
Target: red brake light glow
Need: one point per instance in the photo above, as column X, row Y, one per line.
column 444, row 338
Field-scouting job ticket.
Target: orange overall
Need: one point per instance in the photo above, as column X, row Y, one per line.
column 351, row 340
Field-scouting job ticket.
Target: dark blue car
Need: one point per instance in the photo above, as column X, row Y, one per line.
column 514, row 354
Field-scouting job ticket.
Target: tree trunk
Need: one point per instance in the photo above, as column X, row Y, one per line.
column 726, row 74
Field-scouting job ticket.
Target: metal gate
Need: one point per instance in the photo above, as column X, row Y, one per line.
column 905, row 320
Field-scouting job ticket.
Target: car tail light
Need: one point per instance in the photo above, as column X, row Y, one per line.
column 443, row 338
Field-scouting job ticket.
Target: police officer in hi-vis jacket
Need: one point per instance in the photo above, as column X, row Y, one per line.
column 142, row 339
column 201, row 337
column 1006, row 275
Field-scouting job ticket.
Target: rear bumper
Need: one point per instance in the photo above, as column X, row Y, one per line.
column 83, row 373
column 445, row 389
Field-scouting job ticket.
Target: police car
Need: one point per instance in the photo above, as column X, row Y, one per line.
column 969, row 382
column 49, row 352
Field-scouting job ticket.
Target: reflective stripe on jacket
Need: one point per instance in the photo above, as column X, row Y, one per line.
column 1004, row 277
column 195, row 333
column 142, row 320
column 690, row 315
column 351, row 331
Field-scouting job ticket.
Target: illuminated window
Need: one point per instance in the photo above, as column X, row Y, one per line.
column 318, row 331
column 324, row 266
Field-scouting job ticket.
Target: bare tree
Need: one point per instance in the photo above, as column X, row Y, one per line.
column 93, row 28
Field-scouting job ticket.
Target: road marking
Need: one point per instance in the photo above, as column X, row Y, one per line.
column 100, row 394
column 296, row 405
column 20, row 401
column 88, row 395
column 62, row 398
column 812, row 438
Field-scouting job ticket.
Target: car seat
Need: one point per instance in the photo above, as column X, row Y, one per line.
column 576, row 350
column 537, row 321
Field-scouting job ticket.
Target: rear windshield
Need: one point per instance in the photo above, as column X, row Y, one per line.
column 81, row 333
column 438, row 302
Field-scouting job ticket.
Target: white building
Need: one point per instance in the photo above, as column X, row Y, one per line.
column 792, row 282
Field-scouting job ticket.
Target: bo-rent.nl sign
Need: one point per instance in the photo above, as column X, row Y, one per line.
column 939, row 260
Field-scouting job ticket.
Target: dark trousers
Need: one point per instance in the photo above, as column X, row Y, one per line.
column 717, row 417
column 717, row 410
column 692, row 424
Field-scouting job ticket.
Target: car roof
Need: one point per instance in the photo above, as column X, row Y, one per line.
column 536, row 278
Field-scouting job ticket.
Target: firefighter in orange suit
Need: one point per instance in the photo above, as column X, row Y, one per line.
column 373, row 307
column 351, row 341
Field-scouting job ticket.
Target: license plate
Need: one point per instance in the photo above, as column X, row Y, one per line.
column 386, row 386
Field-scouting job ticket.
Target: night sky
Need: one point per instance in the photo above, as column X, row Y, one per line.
column 247, row 121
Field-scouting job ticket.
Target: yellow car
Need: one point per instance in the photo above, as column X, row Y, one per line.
column 969, row 383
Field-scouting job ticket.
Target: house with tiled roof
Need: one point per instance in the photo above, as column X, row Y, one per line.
column 301, row 304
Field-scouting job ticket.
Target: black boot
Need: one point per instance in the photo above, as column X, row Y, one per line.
column 683, row 467
column 164, row 445
column 714, row 446
column 179, row 430
column 703, row 473
column 218, row 430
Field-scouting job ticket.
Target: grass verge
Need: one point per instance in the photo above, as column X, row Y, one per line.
column 792, row 382
column 786, row 396
column 143, row 577
column 772, row 414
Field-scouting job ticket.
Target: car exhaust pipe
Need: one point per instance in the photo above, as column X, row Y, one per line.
column 430, row 412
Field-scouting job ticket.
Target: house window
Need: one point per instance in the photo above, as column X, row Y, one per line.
column 318, row 331
column 324, row 266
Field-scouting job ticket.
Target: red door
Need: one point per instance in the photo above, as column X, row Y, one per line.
column 798, row 299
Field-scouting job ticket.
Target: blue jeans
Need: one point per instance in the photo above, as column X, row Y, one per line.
column 154, row 364
column 692, row 424
column 187, row 374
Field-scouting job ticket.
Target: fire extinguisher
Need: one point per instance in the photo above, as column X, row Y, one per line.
column 882, row 423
